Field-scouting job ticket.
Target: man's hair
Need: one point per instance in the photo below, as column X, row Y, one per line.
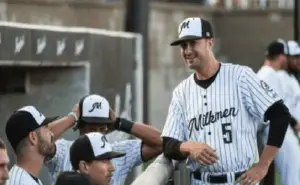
column 21, row 147
column 72, row 178
column 2, row 144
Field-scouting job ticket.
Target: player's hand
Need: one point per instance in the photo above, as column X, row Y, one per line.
column 113, row 117
column 254, row 175
column 76, row 110
column 112, row 114
column 297, row 128
column 202, row 153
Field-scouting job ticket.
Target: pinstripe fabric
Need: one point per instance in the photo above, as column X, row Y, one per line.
column 225, row 116
column 18, row 176
column 61, row 161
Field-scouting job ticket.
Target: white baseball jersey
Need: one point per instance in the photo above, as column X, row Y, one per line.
column 290, row 92
column 123, row 165
column 224, row 115
column 18, row 176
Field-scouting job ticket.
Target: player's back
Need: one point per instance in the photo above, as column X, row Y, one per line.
column 223, row 116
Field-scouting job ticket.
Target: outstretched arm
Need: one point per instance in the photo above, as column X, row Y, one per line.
column 152, row 142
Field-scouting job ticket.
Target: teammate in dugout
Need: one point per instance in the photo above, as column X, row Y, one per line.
column 276, row 60
column 214, row 115
column 91, row 154
column 95, row 116
column 4, row 161
column 32, row 138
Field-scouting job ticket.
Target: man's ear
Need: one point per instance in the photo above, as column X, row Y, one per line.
column 84, row 167
column 211, row 42
column 33, row 138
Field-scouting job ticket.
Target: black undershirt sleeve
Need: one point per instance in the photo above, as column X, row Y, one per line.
column 279, row 117
column 171, row 148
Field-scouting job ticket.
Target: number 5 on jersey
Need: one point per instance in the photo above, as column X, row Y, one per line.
column 227, row 133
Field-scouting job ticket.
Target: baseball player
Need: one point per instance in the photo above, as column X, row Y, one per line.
column 4, row 160
column 91, row 154
column 30, row 134
column 276, row 59
column 290, row 88
column 214, row 114
column 73, row 178
column 95, row 117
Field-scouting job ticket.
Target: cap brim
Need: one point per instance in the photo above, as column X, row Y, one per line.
column 185, row 38
column 97, row 120
column 110, row 155
column 49, row 120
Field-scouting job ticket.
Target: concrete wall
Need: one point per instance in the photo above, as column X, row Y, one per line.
column 241, row 36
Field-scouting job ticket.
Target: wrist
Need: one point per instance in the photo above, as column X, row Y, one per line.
column 74, row 117
column 124, row 125
column 184, row 148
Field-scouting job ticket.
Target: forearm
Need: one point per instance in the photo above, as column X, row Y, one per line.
column 268, row 155
column 60, row 126
column 149, row 135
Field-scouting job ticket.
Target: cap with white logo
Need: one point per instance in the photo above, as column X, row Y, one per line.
column 293, row 48
column 90, row 147
column 24, row 121
column 193, row 28
column 94, row 109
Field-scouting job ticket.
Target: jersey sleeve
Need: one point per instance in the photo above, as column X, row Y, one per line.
column 133, row 150
column 62, row 149
column 174, row 125
column 257, row 95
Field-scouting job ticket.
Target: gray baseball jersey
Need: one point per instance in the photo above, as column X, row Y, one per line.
column 123, row 165
column 18, row 176
column 224, row 115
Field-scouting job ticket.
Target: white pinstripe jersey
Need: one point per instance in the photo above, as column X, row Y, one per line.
column 18, row 176
column 123, row 165
column 225, row 115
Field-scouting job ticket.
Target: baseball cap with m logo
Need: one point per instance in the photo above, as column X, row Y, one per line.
column 193, row 28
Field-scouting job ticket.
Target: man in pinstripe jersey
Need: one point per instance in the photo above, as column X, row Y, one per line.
column 32, row 138
column 214, row 113
column 95, row 116
column 4, row 160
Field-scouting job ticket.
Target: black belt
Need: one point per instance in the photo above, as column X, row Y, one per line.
column 215, row 179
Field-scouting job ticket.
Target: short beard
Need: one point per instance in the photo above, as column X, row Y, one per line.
column 45, row 148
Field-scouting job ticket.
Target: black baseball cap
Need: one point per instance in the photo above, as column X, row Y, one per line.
column 193, row 28
column 277, row 47
column 72, row 178
column 90, row 147
column 94, row 109
column 24, row 121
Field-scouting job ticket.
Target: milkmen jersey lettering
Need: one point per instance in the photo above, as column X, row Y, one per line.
column 123, row 165
column 18, row 176
column 225, row 116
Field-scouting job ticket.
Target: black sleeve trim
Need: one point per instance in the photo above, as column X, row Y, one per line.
column 279, row 116
column 171, row 149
